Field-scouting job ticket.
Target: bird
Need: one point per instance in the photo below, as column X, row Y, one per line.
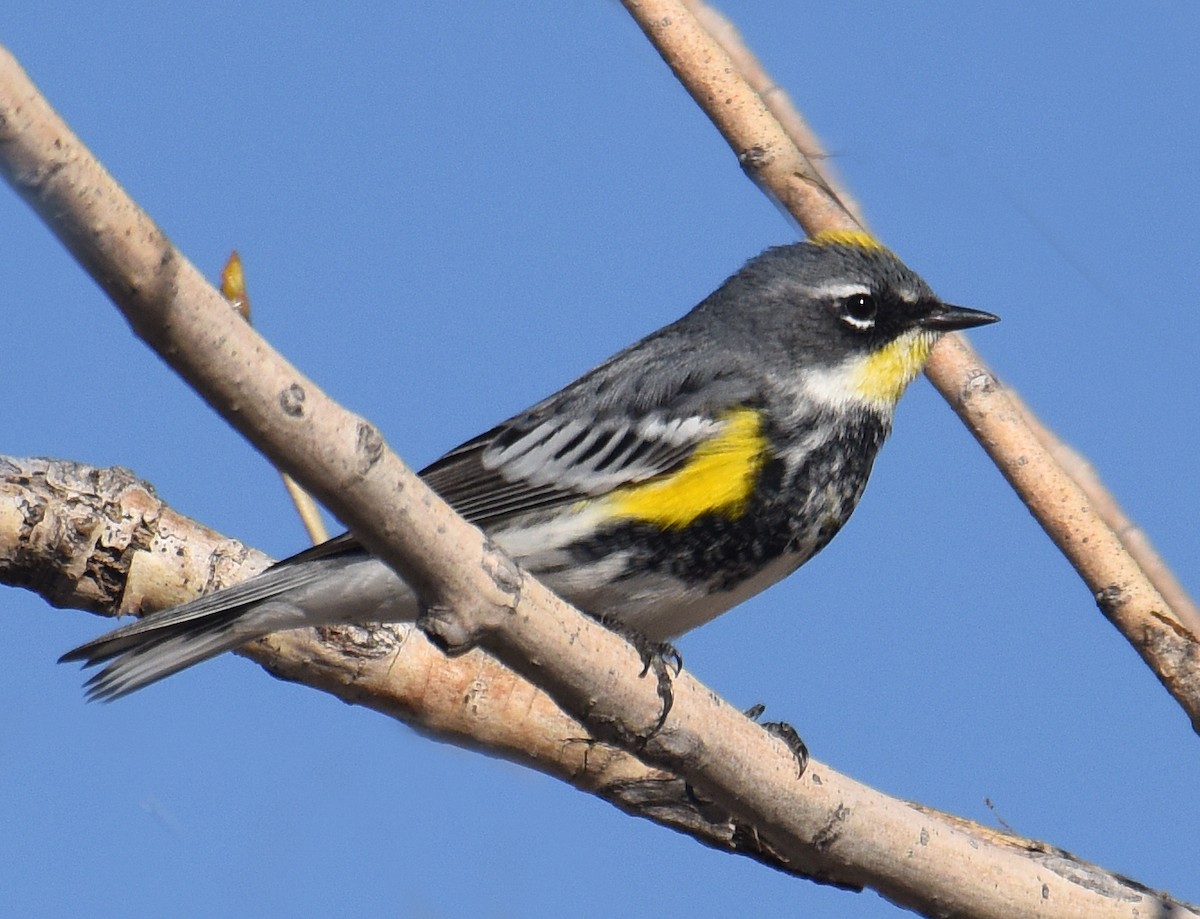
column 675, row 480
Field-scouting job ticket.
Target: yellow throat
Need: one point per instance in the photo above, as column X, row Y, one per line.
column 882, row 377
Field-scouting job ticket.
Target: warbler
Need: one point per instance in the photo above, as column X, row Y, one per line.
column 680, row 477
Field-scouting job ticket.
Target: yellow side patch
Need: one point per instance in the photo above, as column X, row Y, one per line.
column 848, row 238
column 883, row 376
column 718, row 478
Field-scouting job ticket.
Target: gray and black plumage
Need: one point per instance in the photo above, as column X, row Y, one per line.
column 683, row 475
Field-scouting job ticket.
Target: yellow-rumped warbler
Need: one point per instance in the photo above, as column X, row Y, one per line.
column 680, row 477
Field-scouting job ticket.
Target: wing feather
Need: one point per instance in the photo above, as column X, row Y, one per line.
column 540, row 463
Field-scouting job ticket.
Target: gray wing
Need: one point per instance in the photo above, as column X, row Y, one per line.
column 639, row 415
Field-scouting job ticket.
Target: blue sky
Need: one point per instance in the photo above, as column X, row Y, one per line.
column 447, row 215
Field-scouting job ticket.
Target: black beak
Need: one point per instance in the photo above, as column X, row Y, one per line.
column 946, row 318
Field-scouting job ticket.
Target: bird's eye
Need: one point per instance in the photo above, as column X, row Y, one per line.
column 858, row 311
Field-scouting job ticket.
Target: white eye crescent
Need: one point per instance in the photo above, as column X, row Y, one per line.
column 858, row 311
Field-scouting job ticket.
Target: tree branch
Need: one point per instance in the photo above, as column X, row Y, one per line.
column 102, row 540
column 1136, row 542
column 1124, row 593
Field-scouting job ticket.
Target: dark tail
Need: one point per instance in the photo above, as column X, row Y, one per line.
column 166, row 642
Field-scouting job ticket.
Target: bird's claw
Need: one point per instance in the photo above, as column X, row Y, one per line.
column 785, row 732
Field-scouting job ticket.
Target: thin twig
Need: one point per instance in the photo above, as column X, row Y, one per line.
column 233, row 289
column 306, row 507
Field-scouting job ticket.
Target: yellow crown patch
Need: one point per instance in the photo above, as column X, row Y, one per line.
column 847, row 238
